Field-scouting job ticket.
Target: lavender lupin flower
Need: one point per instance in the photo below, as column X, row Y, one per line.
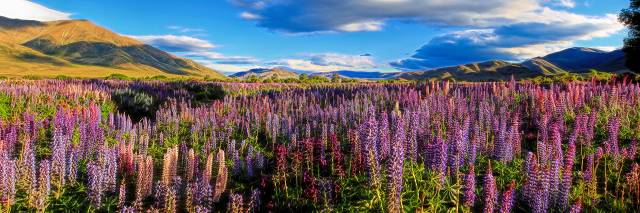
column 96, row 178
column 395, row 168
column 7, row 178
column 44, row 185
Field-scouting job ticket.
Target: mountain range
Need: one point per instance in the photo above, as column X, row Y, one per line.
column 264, row 73
column 573, row 60
column 83, row 49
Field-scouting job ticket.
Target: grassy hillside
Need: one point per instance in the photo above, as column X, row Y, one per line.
column 80, row 48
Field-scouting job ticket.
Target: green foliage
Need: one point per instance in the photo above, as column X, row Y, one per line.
column 204, row 93
column 5, row 106
column 631, row 18
column 117, row 76
column 136, row 104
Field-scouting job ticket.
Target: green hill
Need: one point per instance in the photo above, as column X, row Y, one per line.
column 80, row 48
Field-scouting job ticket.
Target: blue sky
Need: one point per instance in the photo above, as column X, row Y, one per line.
column 326, row 35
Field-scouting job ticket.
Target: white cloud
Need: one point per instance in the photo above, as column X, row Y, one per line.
column 327, row 62
column 182, row 29
column 564, row 3
column 334, row 59
column 175, row 43
column 23, row 9
column 221, row 58
column 249, row 16
column 227, row 67
column 362, row 26
column 607, row 48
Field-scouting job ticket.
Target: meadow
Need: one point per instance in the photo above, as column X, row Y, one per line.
column 159, row 146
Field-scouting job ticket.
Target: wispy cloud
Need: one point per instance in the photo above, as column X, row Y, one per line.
column 182, row 29
column 28, row 10
column 175, row 43
column 221, row 58
column 326, row 62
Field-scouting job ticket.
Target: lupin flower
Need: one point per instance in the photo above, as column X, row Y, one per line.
column 565, row 186
column 72, row 164
column 611, row 145
column 508, row 198
column 169, row 166
column 208, row 169
column 7, row 178
column 249, row 161
column 44, row 185
column 27, row 167
column 122, row 194
column 59, row 151
column 490, row 191
column 384, row 136
column 191, row 165
column 587, row 175
column 336, row 153
column 576, row 207
column 633, row 180
column 96, row 184
column 144, row 180
column 254, row 201
column 396, row 165
column 221, row 179
column 469, row 193
column 170, row 200
column 235, row 203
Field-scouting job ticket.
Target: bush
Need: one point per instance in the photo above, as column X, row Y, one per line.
column 136, row 104
column 204, row 93
column 117, row 76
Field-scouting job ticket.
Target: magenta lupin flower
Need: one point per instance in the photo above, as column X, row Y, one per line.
column 490, row 191
column 565, row 186
column 576, row 207
column 469, row 193
column 508, row 198
column 587, row 175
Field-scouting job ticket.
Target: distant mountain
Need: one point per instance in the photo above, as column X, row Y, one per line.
column 357, row 74
column 264, row 73
column 572, row 60
column 485, row 71
column 81, row 48
column 581, row 59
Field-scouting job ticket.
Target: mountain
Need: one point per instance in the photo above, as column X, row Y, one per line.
column 485, row 71
column 572, row 60
column 356, row 74
column 581, row 59
column 81, row 48
column 263, row 73
column 540, row 65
